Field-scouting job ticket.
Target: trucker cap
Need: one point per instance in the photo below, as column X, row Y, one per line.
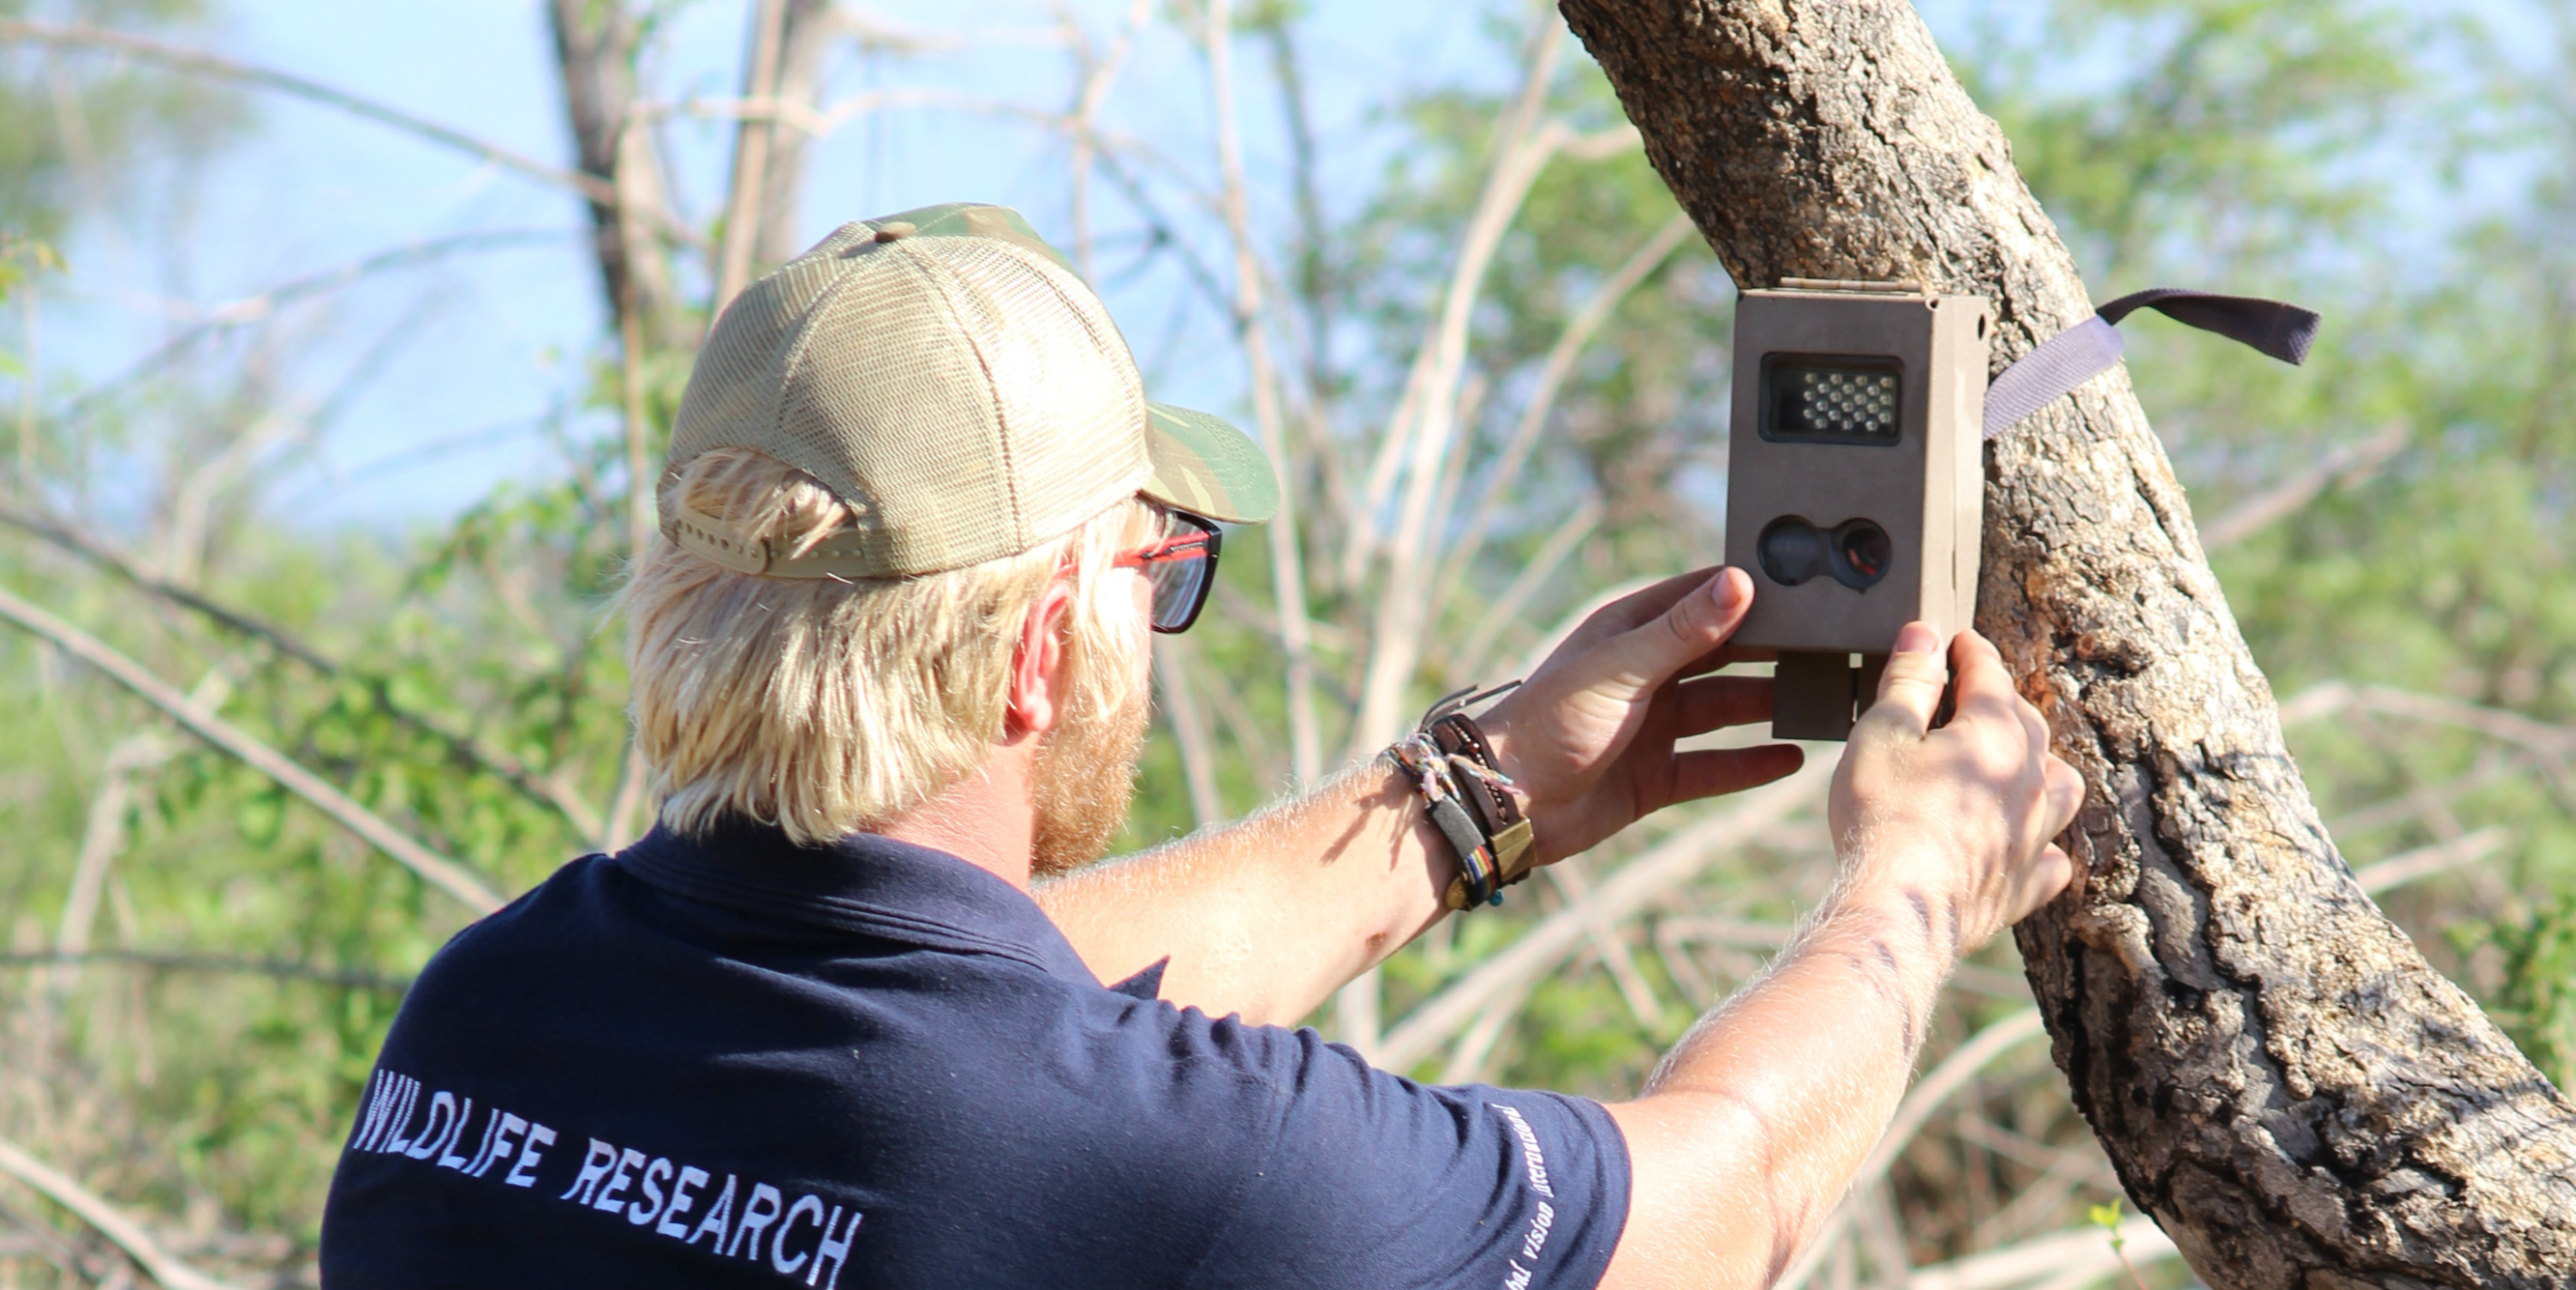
column 948, row 375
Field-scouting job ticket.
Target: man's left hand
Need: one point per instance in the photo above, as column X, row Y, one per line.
column 1589, row 737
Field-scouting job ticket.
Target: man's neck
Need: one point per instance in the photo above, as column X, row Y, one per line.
column 987, row 819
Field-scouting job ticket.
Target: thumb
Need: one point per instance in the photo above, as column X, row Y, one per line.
column 1695, row 626
column 1915, row 676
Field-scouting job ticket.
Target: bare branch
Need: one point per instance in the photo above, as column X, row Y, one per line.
column 807, row 34
column 1638, row 883
column 465, row 750
column 811, row 122
column 104, row 835
column 1953, row 1074
column 2424, row 862
column 249, row 310
column 182, row 961
column 871, row 34
column 2092, row 1165
column 622, row 825
column 2494, row 723
column 200, row 63
column 2345, row 465
column 1356, row 1006
column 595, row 49
column 1175, row 678
column 111, row 1222
column 1099, row 73
column 1467, row 1061
column 437, row 870
column 1639, row 994
column 1552, row 375
column 750, row 155
column 2078, row 1256
column 1287, row 559
column 1523, row 148
column 1509, row 606
column 1602, row 145
column 2412, row 805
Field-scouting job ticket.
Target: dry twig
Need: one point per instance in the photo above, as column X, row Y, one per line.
column 439, row 871
column 111, row 1222
column 1635, row 885
column 199, row 63
column 465, row 750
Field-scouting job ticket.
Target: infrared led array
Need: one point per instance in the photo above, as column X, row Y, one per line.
column 1850, row 402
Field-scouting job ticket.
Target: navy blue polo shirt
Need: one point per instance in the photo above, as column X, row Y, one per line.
column 738, row 1062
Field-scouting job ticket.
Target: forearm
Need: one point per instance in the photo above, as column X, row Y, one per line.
column 1268, row 916
column 1749, row 1134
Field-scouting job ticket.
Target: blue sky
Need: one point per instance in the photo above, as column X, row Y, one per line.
column 472, row 354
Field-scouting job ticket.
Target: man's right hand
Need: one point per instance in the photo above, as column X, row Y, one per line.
column 1751, row 1130
column 1957, row 819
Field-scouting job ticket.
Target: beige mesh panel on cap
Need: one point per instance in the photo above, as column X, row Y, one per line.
column 968, row 396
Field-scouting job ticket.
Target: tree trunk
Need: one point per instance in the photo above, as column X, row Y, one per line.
column 2280, row 1078
column 807, row 35
column 595, row 58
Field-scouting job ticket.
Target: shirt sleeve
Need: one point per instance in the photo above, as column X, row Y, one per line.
column 1378, row 1182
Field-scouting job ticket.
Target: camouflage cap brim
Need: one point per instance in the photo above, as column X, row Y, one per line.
column 1207, row 467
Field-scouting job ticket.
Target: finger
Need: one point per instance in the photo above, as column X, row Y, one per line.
column 1711, row 771
column 2065, row 793
column 1714, row 702
column 1649, row 654
column 1636, row 609
column 1909, row 690
column 2047, row 876
column 1984, row 681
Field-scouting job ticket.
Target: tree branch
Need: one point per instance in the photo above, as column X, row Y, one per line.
column 2341, row 465
column 1099, row 73
column 439, row 871
column 257, row 308
column 111, row 1222
column 1552, row 375
column 2080, row 1252
column 1637, row 884
column 1287, row 557
column 1523, row 147
column 184, row 961
column 467, row 751
column 200, row 63
column 750, row 156
column 1953, row 1074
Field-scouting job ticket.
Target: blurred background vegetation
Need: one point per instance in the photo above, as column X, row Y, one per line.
column 1496, row 367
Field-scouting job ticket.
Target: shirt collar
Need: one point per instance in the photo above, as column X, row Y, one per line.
column 861, row 883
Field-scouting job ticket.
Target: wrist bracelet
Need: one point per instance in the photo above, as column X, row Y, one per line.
column 1469, row 800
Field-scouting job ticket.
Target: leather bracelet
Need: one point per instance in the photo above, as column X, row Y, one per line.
column 1469, row 800
column 1458, row 736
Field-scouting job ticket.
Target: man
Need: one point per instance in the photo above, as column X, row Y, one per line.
column 840, row 1020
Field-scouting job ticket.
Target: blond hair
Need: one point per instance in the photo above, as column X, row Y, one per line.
column 828, row 706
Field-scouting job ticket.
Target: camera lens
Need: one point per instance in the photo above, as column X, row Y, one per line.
column 1862, row 554
column 1791, row 551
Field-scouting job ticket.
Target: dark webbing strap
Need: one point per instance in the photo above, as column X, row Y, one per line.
column 2089, row 348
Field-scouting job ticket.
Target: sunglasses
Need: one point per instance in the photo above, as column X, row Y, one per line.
column 1181, row 568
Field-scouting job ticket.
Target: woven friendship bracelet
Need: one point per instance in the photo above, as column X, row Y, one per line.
column 1469, row 800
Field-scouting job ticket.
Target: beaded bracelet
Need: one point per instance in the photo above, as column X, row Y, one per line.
column 1470, row 801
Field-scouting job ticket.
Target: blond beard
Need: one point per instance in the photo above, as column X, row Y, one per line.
column 1085, row 775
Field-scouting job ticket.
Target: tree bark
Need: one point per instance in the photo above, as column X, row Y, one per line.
column 595, row 58
column 810, row 27
column 2280, row 1078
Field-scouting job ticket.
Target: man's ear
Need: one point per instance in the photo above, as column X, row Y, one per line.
column 1038, row 664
